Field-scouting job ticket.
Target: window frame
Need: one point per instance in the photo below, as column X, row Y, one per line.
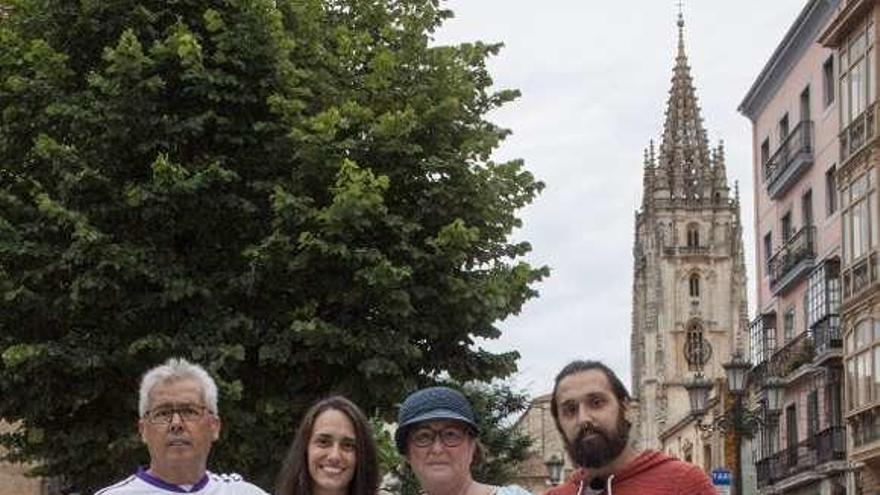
column 831, row 200
column 694, row 285
column 828, row 81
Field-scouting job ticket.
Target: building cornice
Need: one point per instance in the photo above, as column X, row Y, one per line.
column 851, row 14
column 800, row 36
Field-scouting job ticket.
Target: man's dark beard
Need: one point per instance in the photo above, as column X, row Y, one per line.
column 601, row 447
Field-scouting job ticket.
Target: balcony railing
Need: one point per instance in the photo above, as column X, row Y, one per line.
column 826, row 335
column 831, row 444
column 794, row 354
column 865, row 427
column 788, row 462
column 793, row 261
column 826, row 446
column 686, row 251
column 859, row 276
column 858, row 133
column 794, row 156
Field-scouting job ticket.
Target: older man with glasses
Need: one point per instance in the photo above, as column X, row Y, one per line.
column 178, row 422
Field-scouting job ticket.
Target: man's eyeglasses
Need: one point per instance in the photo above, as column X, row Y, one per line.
column 165, row 415
column 450, row 436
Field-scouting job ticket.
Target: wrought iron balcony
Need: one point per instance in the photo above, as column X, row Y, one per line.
column 785, row 463
column 790, row 161
column 858, row 133
column 859, row 275
column 827, row 339
column 793, row 261
column 865, row 427
column 826, row 446
column 831, row 444
column 794, row 354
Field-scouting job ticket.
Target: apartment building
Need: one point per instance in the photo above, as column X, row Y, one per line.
column 852, row 37
column 795, row 342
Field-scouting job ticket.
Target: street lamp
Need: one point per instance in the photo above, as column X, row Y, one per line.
column 736, row 371
column 773, row 390
column 554, row 469
column 739, row 421
column 698, row 393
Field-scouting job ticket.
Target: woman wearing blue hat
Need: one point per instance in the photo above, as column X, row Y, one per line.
column 437, row 435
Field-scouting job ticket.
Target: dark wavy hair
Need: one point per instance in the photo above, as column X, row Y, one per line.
column 294, row 478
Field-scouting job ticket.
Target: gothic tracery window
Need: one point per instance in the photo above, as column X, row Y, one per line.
column 693, row 235
column 694, row 285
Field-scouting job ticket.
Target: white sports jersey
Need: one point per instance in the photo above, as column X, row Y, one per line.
column 142, row 483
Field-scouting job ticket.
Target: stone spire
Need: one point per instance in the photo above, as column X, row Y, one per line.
column 686, row 192
column 648, row 178
column 719, row 172
column 742, row 330
column 684, row 151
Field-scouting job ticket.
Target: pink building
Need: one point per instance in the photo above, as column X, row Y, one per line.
column 795, row 339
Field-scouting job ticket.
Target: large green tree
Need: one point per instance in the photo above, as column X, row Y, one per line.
column 298, row 194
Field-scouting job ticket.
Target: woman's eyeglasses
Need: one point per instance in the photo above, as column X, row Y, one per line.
column 450, row 436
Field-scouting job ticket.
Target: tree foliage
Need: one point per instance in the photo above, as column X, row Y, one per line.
column 298, row 194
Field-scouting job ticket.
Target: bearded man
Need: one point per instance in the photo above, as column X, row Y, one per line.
column 589, row 405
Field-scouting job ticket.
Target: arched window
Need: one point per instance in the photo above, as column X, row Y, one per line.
column 694, row 285
column 693, row 235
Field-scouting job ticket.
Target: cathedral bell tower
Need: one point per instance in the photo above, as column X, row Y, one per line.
column 689, row 280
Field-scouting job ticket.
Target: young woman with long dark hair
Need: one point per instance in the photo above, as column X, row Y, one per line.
column 333, row 453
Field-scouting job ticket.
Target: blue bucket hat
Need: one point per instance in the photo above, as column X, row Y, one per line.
column 432, row 404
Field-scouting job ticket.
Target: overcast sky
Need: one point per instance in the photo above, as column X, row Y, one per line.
column 594, row 78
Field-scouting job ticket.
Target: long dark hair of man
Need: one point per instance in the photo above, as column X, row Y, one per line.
column 294, row 478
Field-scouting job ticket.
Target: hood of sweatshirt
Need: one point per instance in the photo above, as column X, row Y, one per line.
column 645, row 461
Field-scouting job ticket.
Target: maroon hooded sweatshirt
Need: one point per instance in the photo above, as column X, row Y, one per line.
column 651, row 473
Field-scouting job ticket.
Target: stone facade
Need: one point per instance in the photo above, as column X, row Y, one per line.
column 689, row 294
column 537, row 423
column 852, row 36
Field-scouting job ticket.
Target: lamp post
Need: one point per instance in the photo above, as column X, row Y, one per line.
column 698, row 392
column 554, row 469
column 736, row 382
column 773, row 390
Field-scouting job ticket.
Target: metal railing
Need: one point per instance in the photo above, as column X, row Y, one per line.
column 859, row 275
column 831, row 444
column 794, row 354
column 865, row 427
column 826, row 335
column 800, row 247
column 858, row 133
column 799, row 141
column 826, row 446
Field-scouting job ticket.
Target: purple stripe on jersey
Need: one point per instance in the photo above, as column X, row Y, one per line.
column 158, row 483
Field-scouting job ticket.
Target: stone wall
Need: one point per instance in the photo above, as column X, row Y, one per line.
column 537, row 423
